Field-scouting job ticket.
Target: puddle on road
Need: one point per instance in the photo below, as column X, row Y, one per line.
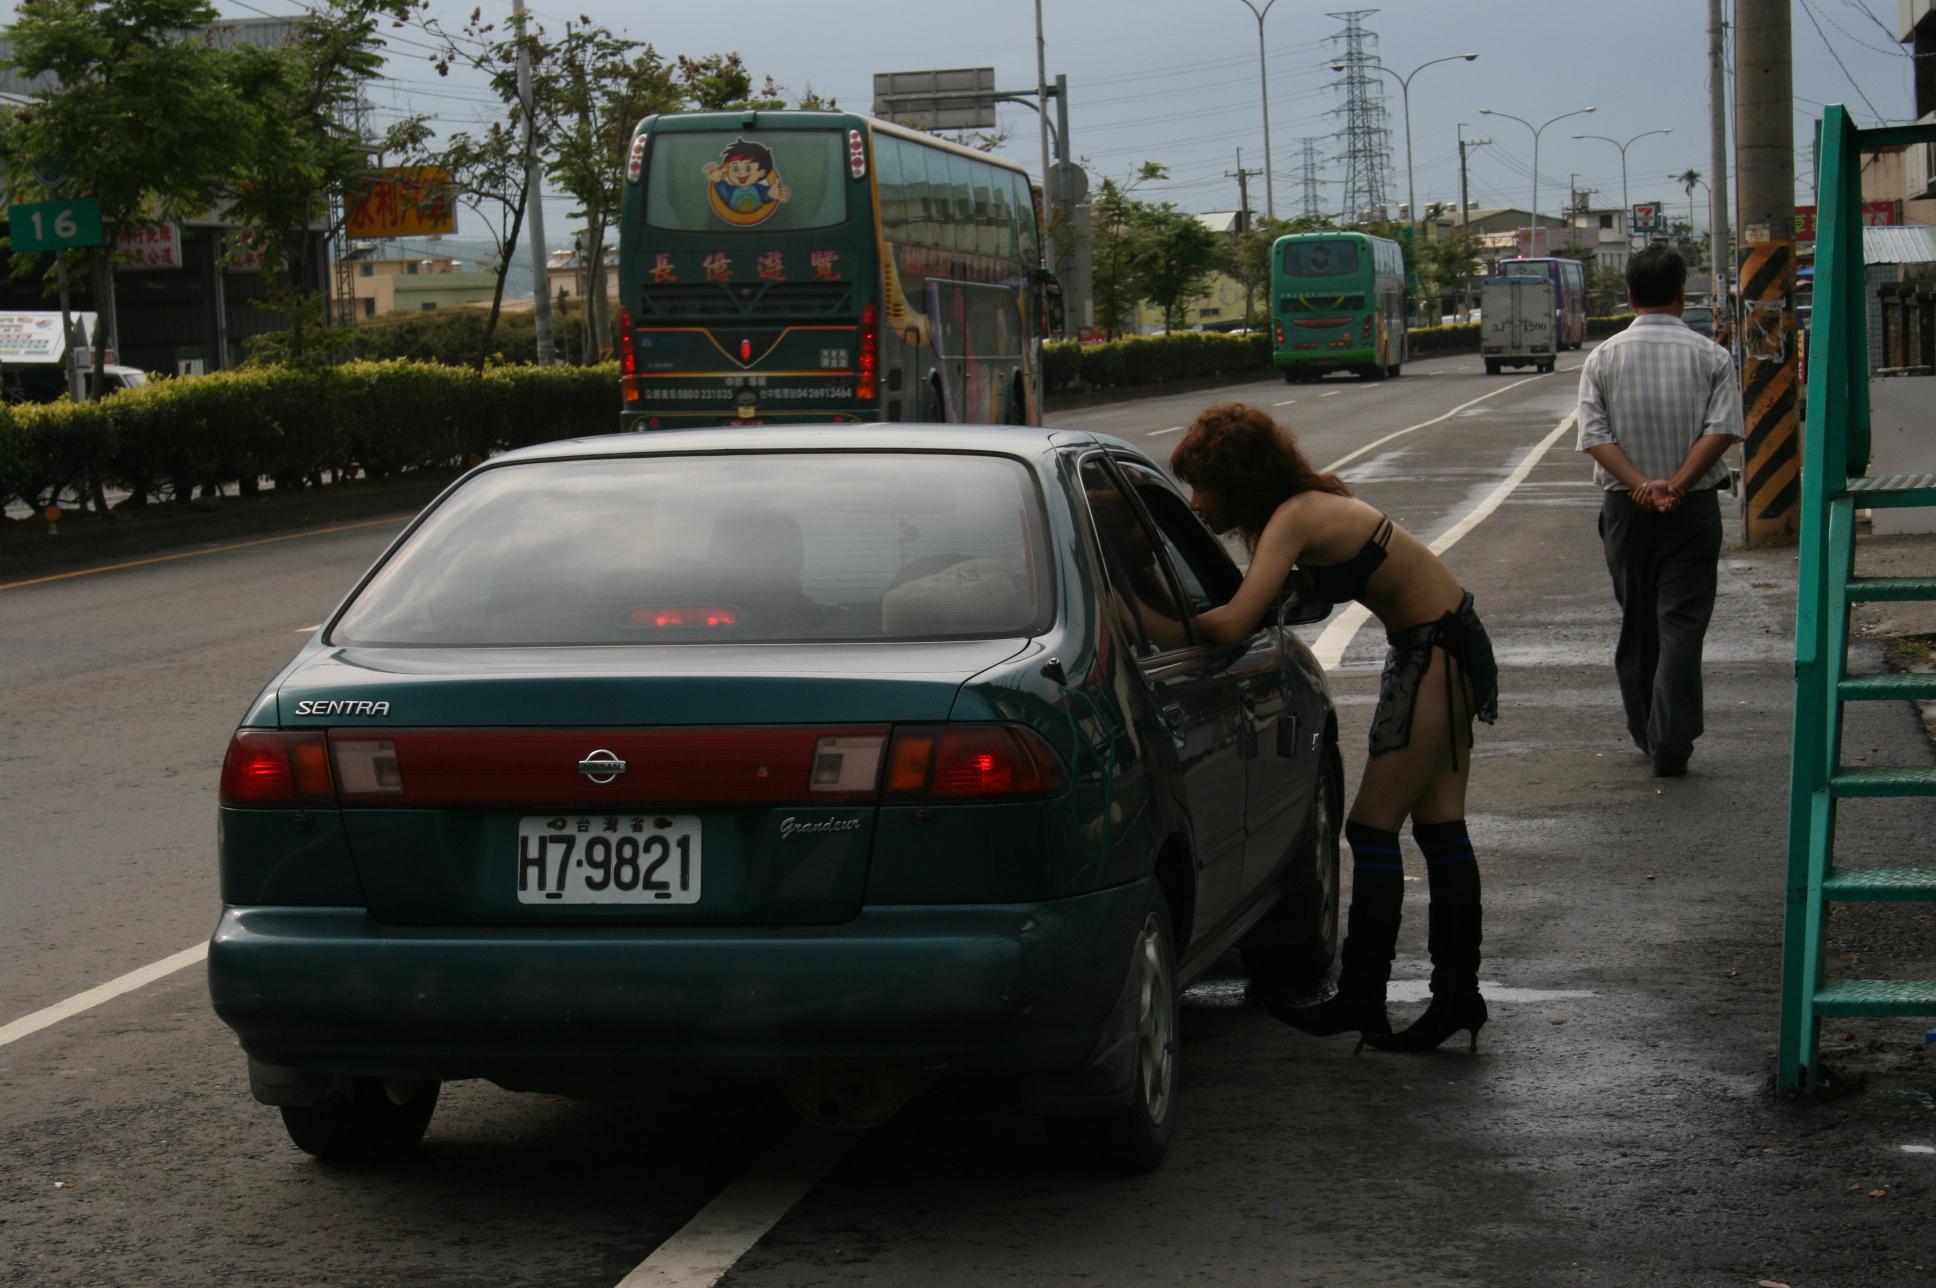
column 1230, row 993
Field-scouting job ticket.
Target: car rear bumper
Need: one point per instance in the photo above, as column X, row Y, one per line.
column 1023, row 988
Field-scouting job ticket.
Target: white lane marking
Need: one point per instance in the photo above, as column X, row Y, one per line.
column 1418, row 990
column 706, row 1247
column 1333, row 394
column 1158, row 433
column 309, row 630
column 1338, row 635
column 100, row 993
column 1286, row 403
column 1349, row 457
column 1919, row 1149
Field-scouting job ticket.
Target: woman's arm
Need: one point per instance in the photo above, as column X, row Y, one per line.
column 1270, row 564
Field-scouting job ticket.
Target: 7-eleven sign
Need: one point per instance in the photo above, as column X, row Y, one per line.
column 1646, row 218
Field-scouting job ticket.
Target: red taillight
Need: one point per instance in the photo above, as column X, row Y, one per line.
column 265, row 767
column 963, row 762
column 635, row 160
column 856, row 155
column 1277, row 332
column 685, row 617
column 628, row 362
column 745, row 350
column 868, row 386
column 1365, row 331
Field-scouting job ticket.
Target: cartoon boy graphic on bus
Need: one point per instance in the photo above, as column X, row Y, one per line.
column 746, row 189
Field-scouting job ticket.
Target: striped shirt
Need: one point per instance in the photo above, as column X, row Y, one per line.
column 1654, row 389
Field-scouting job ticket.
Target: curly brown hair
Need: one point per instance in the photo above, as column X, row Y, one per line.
column 1250, row 461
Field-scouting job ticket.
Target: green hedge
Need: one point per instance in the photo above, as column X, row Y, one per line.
column 1153, row 359
column 1600, row 328
column 291, row 425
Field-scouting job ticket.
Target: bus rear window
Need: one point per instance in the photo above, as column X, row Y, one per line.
column 1321, row 259
column 725, row 181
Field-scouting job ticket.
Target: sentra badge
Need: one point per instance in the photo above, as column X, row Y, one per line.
column 341, row 707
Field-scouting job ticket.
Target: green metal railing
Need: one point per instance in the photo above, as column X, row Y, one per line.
column 1835, row 456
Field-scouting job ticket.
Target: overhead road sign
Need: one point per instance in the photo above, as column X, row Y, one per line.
column 55, row 225
column 959, row 98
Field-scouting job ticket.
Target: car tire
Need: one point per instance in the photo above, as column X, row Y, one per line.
column 1493, row 368
column 1136, row 1138
column 1297, row 941
column 1396, row 370
column 380, row 1120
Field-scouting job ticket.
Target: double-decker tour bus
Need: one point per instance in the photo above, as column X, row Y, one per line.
column 1568, row 277
column 792, row 266
column 1337, row 304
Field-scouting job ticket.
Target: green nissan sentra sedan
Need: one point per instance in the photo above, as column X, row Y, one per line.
column 845, row 757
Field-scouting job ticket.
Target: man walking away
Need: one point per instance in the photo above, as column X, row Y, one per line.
column 1659, row 408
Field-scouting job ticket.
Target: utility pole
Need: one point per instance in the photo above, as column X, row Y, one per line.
column 1243, row 178
column 1465, row 149
column 534, row 195
column 1765, row 158
column 1719, row 251
column 1042, row 120
column 1263, row 97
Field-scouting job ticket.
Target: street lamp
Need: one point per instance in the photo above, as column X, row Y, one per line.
column 1263, row 91
column 1405, row 98
column 1626, row 204
column 1537, row 131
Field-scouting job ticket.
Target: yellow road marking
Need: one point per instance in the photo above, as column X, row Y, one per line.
column 196, row 554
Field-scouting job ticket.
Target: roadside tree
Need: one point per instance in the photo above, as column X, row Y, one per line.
column 1172, row 259
column 138, row 117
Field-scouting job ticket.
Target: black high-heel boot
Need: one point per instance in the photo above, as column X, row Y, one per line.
column 1359, row 1003
column 1447, row 1014
column 1452, row 935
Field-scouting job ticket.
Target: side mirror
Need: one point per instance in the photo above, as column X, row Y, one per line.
column 1298, row 604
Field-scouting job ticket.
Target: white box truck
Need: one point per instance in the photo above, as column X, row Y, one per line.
column 1517, row 317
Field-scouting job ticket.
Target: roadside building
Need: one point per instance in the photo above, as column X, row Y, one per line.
column 415, row 284
column 1606, row 233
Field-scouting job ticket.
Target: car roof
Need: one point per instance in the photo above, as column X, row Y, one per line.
column 1007, row 440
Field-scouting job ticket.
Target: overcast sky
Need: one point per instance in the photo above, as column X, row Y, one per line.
column 1177, row 83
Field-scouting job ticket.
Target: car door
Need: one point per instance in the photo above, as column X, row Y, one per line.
column 1277, row 776
column 1193, row 688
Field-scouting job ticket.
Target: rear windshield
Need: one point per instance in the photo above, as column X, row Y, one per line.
column 722, row 181
column 721, row 549
column 1321, row 258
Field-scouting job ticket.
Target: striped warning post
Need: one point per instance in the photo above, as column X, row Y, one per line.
column 1769, row 376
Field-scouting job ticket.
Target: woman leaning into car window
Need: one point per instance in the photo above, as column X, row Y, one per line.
column 1248, row 475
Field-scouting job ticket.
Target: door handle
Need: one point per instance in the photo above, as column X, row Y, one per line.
column 1173, row 714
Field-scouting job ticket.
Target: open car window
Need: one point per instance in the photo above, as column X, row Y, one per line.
column 719, row 549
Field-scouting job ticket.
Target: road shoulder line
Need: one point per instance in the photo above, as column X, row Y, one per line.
column 1337, row 637
column 140, row 977
column 709, row 1245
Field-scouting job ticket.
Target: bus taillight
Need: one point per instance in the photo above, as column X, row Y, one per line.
column 856, row 155
column 868, row 386
column 1277, row 333
column 628, row 363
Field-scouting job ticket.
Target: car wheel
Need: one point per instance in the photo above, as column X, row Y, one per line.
column 1135, row 1139
column 1298, row 940
column 381, row 1119
column 1492, row 368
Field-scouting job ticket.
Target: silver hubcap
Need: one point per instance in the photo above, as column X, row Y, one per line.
column 1156, row 1024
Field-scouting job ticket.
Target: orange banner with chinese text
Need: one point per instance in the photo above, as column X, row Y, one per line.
column 405, row 201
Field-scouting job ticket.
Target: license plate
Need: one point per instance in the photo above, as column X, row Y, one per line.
column 608, row 858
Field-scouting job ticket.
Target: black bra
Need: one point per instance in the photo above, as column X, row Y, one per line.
column 1347, row 580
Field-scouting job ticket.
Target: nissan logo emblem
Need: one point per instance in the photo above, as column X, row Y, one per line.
column 601, row 766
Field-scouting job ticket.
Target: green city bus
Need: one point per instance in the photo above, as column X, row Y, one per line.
column 1337, row 304
column 790, row 266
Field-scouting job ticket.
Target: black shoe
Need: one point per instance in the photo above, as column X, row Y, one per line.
column 1340, row 1013
column 1667, row 765
column 1447, row 1014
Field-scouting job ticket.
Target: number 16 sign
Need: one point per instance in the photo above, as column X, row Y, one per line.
column 55, row 225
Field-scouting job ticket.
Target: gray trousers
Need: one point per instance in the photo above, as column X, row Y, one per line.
column 1664, row 575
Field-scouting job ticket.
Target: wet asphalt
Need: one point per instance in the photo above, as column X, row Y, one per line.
column 1616, row 1127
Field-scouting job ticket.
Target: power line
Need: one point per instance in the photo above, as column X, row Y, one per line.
column 1809, row 9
